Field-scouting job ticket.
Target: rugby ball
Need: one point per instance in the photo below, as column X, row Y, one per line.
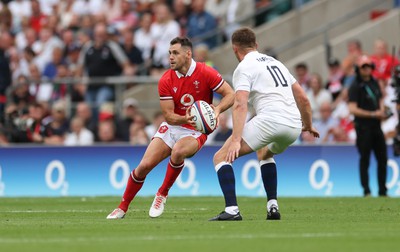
column 204, row 117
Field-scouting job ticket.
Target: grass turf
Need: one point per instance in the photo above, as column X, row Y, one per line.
column 308, row 224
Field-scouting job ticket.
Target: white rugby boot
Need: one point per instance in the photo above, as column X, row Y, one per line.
column 116, row 214
column 157, row 208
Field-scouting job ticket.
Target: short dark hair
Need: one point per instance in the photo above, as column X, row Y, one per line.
column 244, row 37
column 301, row 65
column 184, row 41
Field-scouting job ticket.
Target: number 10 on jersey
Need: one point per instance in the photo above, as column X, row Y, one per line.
column 277, row 76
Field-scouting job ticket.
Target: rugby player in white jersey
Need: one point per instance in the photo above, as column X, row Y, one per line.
column 282, row 113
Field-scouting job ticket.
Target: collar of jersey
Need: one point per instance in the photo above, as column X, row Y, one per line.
column 251, row 53
column 190, row 71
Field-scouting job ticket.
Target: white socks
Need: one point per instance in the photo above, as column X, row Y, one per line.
column 232, row 210
column 272, row 202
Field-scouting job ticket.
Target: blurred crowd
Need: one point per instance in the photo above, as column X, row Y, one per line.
column 329, row 98
column 46, row 40
column 43, row 42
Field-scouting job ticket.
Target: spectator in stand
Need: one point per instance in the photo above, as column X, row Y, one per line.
column 390, row 100
column 38, row 19
column 106, row 132
column 327, row 124
column 27, row 57
column 132, row 52
column 35, row 131
column 57, row 128
column 354, row 51
column 20, row 9
column 200, row 23
column 25, row 38
column 302, row 75
column 112, row 9
column 107, row 112
column 50, row 70
column 151, row 129
column 87, row 7
column 72, row 57
column 17, row 121
column 127, row 19
column 200, row 54
column 84, row 112
column 239, row 13
column 44, row 47
column 68, row 39
column 102, row 58
column 20, row 95
column 334, row 84
column 5, row 72
column 60, row 88
column 79, row 135
column 53, row 23
column 383, row 61
column 317, row 95
column 129, row 111
column 6, row 19
column 137, row 131
column 41, row 91
column 66, row 13
column 181, row 11
column 49, row 6
column 144, row 40
column 163, row 30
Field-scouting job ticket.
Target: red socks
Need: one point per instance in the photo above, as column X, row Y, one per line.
column 173, row 171
column 133, row 186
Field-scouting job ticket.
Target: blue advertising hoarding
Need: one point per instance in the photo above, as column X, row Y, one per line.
column 303, row 171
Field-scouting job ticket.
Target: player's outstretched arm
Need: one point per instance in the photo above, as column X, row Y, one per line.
column 304, row 106
column 228, row 96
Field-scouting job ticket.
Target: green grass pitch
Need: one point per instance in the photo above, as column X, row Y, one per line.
column 308, row 224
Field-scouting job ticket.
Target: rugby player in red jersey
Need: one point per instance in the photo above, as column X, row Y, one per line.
column 184, row 83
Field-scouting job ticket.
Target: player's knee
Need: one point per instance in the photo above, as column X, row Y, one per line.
column 178, row 153
column 143, row 168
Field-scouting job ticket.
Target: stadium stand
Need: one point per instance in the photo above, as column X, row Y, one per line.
column 33, row 32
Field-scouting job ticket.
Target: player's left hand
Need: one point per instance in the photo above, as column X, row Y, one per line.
column 312, row 131
column 216, row 112
column 189, row 118
column 233, row 151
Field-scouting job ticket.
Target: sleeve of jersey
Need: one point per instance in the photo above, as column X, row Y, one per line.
column 215, row 78
column 292, row 80
column 163, row 90
column 241, row 80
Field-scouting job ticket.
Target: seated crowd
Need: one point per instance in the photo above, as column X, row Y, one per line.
column 46, row 40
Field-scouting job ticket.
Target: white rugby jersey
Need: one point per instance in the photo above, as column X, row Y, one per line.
column 269, row 83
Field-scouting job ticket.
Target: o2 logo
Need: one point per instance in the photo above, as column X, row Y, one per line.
column 59, row 183
column 324, row 182
column 122, row 165
column 190, row 182
column 256, row 181
column 2, row 185
column 394, row 181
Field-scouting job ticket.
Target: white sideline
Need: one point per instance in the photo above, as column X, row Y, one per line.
column 173, row 237
column 176, row 210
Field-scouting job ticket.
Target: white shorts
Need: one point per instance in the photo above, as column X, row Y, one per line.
column 260, row 132
column 171, row 134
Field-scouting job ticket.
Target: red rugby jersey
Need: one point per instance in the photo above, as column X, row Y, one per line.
column 199, row 84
